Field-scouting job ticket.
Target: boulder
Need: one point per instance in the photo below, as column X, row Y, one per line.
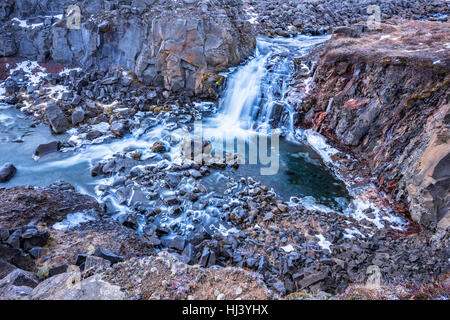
column 17, row 285
column 47, row 148
column 54, row 287
column 119, row 128
column 78, row 116
column 7, row 45
column 68, row 286
column 56, row 118
column 7, row 171
column 5, row 268
column 107, row 255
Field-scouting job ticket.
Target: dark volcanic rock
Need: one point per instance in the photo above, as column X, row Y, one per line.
column 78, row 116
column 397, row 120
column 44, row 149
column 56, row 118
column 182, row 52
column 5, row 268
column 107, row 255
column 119, row 128
column 7, row 171
column 21, row 205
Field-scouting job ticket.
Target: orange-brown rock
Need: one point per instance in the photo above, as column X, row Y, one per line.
column 385, row 94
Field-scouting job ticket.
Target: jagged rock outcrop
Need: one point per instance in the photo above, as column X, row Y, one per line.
column 385, row 96
column 183, row 51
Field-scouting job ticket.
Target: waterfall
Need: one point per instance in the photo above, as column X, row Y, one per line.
column 255, row 96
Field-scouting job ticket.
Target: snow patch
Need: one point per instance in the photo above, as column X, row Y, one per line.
column 288, row 248
column 350, row 233
column 24, row 24
column 102, row 127
column 66, row 71
column 33, row 71
column 323, row 243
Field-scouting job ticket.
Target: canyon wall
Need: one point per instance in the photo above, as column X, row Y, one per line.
column 182, row 51
column 384, row 95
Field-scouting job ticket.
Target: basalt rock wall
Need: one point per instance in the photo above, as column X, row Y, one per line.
column 384, row 95
column 179, row 45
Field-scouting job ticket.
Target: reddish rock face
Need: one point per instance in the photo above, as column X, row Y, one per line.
column 182, row 52
column 385, row 95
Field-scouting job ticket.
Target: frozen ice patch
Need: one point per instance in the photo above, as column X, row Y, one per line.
column 288, row 248
column 102, row 127
column 72, row 220
column 350, row 233
column 24, row 24
column 66, row 71
column 309, row 203
column 319, row 144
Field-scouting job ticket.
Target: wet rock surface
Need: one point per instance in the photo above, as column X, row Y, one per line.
column 7, row 171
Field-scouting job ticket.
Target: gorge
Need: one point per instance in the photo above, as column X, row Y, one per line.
column 96, row 122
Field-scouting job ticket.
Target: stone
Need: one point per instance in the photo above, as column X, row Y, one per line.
column 57, row 270
column 176, row 242
column 188, row 254
column 81, row 258
column 7, row 171
column 278, row 285
column 37, row 239
column 159, row 147
column 20, row 278
column 311, row 279
column 347, row 32
column 7, row 45
column 173, row 179
column 38, row 252
column 107, row 255
column 17, row 285
column 5, row 268
column 119, row 128
column 47, row 148
column 4, row 234
column 208, row 257
column 96, row 263
column 78, row 116
column 16, row 257
column 54, row 287
column 195, row 174
column 14, row 239
column 56, row 118
column 92, row 288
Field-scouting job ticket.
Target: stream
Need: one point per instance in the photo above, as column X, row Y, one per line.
column 253, row 105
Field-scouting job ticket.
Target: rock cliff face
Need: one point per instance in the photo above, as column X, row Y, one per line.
column 182, row 51
column 385, row 96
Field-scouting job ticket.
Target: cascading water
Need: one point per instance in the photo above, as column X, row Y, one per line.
column 255, row 98
column 255, row 104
